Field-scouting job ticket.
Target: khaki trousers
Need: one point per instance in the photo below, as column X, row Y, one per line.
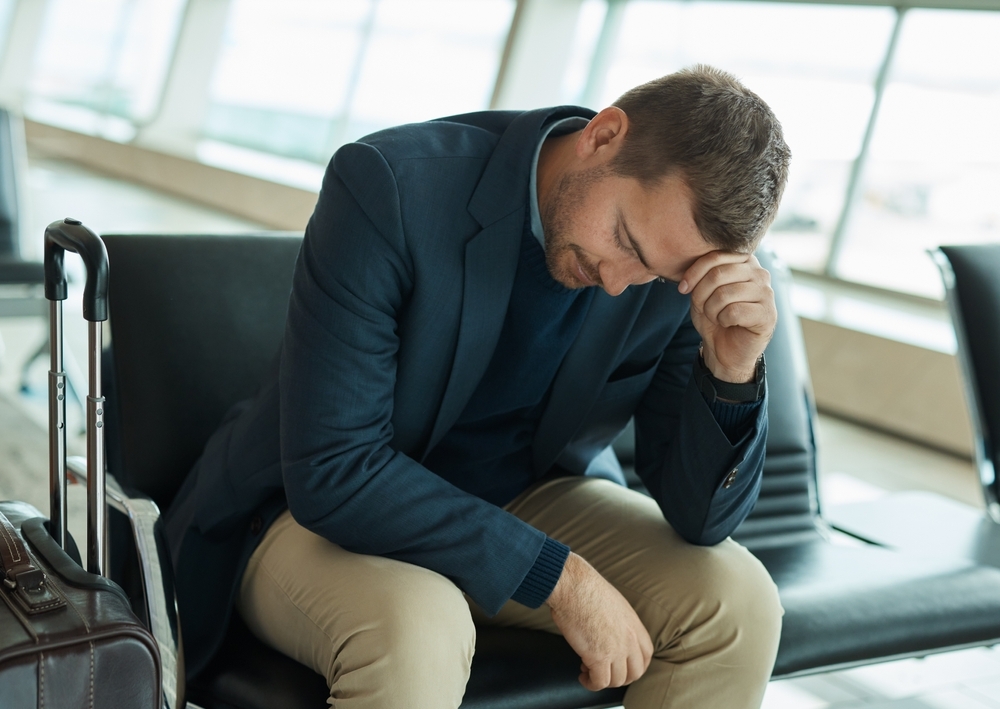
column 387, row 634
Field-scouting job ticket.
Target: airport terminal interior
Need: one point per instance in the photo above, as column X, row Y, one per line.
column 219, row 116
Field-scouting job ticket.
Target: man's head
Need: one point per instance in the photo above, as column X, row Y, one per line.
column 683, row 165
column 720, row 138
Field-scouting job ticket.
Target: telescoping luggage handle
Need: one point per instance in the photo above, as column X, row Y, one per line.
column 61, row 236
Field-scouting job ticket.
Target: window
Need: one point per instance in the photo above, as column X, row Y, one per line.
column 815, row 65
column 103, row 58
column 6, row 13
column 933, row 172
column 587, row 34
column 301, row 77
column 428, row 58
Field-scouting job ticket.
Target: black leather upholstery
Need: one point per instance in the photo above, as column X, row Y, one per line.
column 931, row 525
column 977, row 290
column 847, row 605
column 195, row 320
column 788, row 505
column 10, row 244
column 248, row 675
column 13, row 269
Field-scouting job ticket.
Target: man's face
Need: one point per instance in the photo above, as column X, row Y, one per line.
column 607, row 230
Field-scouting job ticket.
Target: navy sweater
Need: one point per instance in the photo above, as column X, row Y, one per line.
column 488, row 450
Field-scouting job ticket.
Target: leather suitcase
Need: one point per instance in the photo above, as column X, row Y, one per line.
column 68, row 637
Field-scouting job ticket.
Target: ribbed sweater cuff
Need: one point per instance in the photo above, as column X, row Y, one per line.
column 544, row 574
column 734, row 419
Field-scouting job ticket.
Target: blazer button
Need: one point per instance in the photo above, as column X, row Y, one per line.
column 730, row 479
column 256, row 524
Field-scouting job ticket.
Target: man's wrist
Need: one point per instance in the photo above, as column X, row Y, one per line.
column 544, row 574
column 741, row 389
column 567, row 580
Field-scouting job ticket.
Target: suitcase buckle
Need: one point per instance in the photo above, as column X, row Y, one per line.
column 31, row 579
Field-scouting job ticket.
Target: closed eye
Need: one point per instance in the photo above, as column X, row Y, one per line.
column 631, row 251
column 621, row 244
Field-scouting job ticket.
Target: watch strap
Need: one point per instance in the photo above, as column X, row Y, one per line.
column 715, row 389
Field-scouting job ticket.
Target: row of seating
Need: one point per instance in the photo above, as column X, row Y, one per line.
column 183, row 350
column 181, row 339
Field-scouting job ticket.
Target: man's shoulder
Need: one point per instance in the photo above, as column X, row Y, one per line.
column 471, row 135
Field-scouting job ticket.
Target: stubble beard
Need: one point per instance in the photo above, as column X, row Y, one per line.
column 560, row 253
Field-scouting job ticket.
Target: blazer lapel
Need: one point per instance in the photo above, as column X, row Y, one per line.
column 498, row 204
column 490, row 265
column 584, row 371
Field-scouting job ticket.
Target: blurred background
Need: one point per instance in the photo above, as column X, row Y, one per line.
column 891, row 112
column 220, row 116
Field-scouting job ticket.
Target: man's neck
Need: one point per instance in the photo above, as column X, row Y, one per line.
column 556, row 156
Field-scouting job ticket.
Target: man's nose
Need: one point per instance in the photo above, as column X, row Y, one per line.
column 616, row 277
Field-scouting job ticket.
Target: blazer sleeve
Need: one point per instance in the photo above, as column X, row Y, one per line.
column 343, row 480
column 704, row 484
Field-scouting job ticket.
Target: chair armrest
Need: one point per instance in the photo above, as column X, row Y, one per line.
column 157, row 579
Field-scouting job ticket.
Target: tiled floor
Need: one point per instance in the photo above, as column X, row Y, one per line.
column 969, row 679
column 856, row 464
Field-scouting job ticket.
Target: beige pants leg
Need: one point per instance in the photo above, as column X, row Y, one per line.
column 384, row 633
column 712, row 612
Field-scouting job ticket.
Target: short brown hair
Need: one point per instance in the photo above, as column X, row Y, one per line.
column 721, row 138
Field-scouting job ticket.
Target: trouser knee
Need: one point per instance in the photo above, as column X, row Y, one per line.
column 417, row 651
column 420, row 626
column 732, row 604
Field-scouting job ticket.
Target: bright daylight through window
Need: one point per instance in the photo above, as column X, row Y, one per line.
column 891, row 113
column 300, row 78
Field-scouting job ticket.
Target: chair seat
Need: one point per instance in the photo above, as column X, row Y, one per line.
column 922, row 523
column 843, row 606
column 847, row 605
column 249, row 675
column 17, row 272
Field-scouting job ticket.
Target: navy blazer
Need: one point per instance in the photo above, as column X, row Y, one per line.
column 398, row 299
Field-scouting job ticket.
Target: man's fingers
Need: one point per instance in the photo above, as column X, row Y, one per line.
column 700, row 268
column 597, row 676
column 646, row 645
column 754, row 317
column 637, row 665
column 619, row 672
column 724, row 275
column 735, row 294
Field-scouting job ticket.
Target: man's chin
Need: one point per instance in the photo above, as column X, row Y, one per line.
column 567, row 277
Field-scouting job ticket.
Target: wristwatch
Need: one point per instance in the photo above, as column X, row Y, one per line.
column 715, row 389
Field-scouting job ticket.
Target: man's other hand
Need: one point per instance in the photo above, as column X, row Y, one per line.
column 732, row 308
column 600, row 626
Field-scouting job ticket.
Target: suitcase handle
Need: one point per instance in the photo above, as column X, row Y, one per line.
column 71, row 235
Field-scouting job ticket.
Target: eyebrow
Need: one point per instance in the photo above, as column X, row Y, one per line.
column 634, row 243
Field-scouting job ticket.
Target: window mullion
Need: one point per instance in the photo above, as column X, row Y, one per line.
column 857, row 168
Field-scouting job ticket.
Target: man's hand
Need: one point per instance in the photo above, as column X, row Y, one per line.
column 732, row 308
column 600, row 625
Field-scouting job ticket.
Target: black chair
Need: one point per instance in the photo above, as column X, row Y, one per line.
column 195, row 320
column 21, row 281
column 929, row 524
column 972, row 283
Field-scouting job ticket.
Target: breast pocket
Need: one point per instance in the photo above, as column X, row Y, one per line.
column 628, row 379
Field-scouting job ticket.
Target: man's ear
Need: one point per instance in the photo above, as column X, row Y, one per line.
column 603, row 135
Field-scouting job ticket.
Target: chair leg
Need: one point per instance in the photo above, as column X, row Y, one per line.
column 42, row 351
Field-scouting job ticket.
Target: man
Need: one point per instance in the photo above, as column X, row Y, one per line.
column 480, row 305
